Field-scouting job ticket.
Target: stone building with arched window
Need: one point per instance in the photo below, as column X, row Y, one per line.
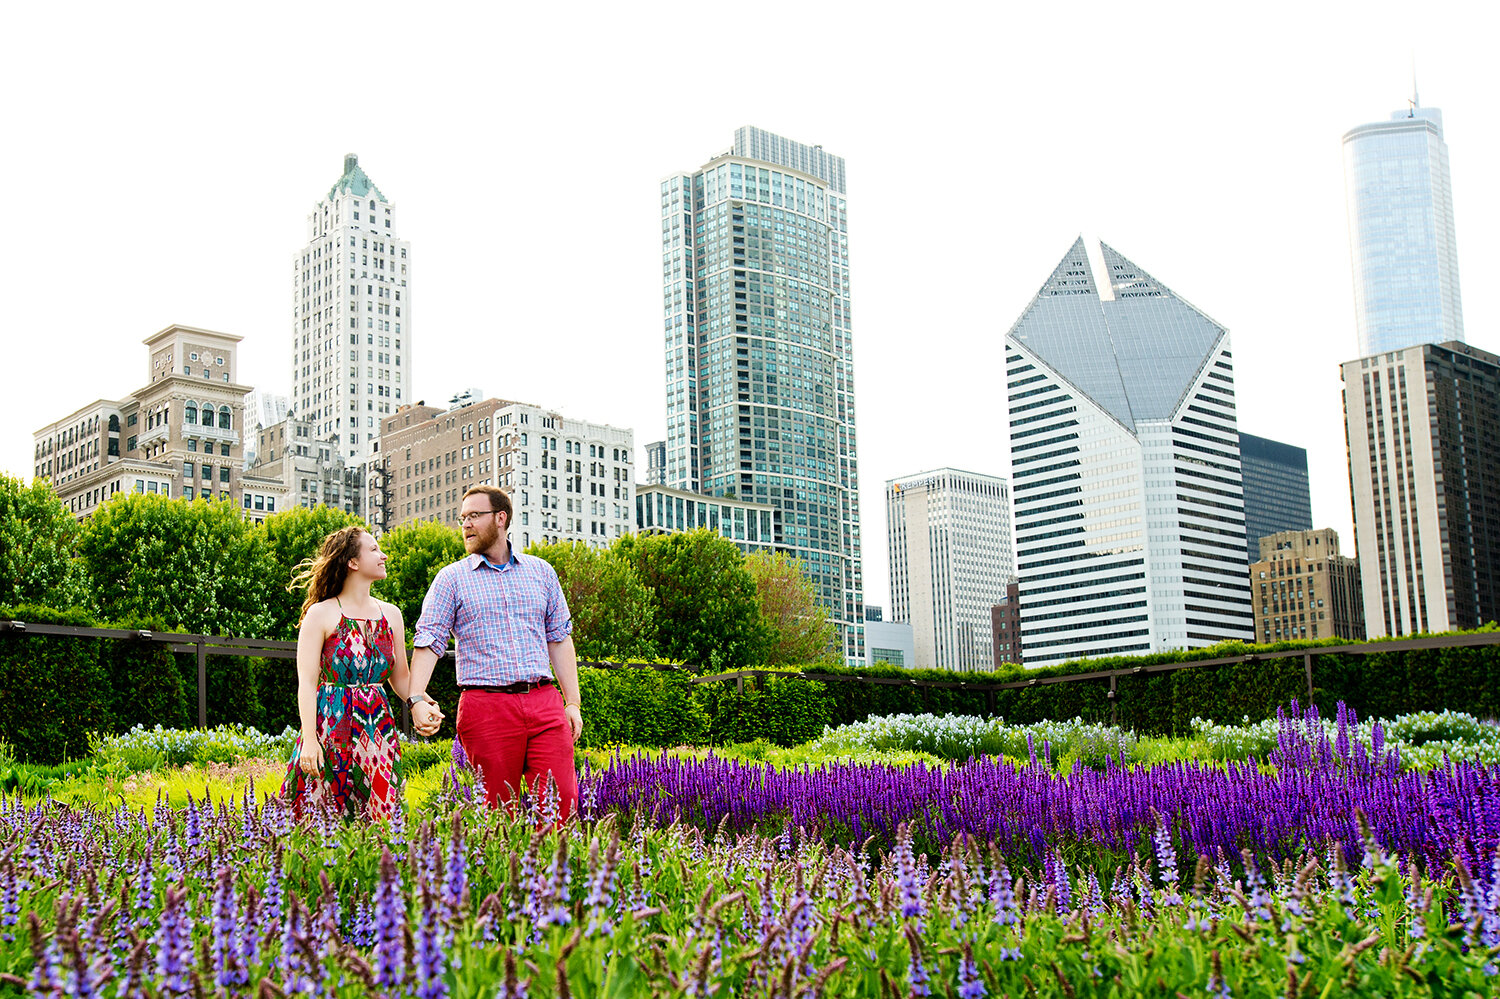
column 179, row 435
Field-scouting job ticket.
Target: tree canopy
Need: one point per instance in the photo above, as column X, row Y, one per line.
column 613, row 612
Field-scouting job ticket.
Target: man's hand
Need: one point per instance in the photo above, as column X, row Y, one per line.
column 426, row 717
column 575, row 720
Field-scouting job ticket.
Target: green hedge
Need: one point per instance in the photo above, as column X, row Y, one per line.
column 54, row 689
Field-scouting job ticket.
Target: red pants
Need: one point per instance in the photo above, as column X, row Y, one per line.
column 510, row 736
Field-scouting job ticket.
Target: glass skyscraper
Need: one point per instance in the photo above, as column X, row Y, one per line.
column 759, row 351
column 1277, row 497
column 1125, row 467
column 1401, row 238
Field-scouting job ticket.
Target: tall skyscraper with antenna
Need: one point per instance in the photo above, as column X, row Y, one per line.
column 1401, row 233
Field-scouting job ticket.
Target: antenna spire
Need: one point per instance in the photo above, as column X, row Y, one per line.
column 1415, row 102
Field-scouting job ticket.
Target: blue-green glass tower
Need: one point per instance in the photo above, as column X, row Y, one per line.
column 759, row 351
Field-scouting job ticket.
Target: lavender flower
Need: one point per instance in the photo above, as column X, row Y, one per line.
column 970, row 984
column 390, row 924
column 228, row 971
column 273, row 893
column 429, row 955
column 174, row 944
column 10, row 898
column 906, row 876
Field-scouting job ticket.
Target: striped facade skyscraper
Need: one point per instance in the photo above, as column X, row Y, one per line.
column 1126, row 486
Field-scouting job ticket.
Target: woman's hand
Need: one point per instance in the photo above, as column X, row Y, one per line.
column 426, row 717
column 310, row 761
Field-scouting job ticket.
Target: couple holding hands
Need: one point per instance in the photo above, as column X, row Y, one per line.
column 518, row 707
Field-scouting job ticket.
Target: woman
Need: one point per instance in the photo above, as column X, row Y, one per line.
column 349, row 645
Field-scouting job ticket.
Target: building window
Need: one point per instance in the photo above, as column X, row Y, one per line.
column 190, row 412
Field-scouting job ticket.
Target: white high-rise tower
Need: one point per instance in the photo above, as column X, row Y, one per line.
column 1125, row 467
column 351, row 312
column 1401, row 233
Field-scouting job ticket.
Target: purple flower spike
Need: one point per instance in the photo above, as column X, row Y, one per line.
column 174, row 945
column 429, row 955
column 390, row 925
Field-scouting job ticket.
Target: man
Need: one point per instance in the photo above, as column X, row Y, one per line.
column 515, row 650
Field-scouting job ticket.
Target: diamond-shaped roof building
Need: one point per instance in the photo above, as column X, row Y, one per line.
column 1135, row 349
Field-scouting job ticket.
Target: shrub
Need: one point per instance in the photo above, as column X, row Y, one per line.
column 53, row 688
column 640, row 706
column 784, row 710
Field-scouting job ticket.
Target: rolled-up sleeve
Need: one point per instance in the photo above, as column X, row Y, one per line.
column 438, row 610
column 559, row 619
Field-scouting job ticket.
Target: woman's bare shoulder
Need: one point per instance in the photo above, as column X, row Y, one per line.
column 323, row 615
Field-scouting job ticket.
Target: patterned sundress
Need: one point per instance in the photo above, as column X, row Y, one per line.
column 355, row 728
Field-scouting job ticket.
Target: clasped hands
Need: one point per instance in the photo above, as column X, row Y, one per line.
column 426, row 717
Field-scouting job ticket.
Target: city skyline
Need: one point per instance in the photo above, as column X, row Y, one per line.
column 1216, row 212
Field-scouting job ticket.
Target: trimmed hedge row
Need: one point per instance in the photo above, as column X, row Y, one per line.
column 55, row 689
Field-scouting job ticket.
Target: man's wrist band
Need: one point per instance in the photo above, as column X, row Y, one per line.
column 414, row 698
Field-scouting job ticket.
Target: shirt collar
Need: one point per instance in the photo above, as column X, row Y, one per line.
column 477, row 559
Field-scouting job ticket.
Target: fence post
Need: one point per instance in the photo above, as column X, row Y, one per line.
column 989, row 701
column 202, row 685
column 1307, row 668
column 1114, row 701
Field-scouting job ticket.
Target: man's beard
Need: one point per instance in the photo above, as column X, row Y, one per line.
column 485, row 540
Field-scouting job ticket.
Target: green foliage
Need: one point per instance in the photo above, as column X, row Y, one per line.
column 145, row 685
column 414, row 554
column 144, row 748
column 613, row 613
column 706, row 609
column 640, row 707
column 53, row 688
column 292, row 536
column 798, row 625
column 1378, row 684
column 784, row 710
column 37, row 539
column 198, row 567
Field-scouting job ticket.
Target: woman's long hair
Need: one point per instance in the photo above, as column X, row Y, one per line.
column 324, row 574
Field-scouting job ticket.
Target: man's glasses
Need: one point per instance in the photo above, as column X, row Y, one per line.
column 469, row 518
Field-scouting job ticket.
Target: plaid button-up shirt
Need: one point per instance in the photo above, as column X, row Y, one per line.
column 502, row 615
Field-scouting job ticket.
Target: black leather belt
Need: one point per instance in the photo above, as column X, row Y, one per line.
column 519, row 687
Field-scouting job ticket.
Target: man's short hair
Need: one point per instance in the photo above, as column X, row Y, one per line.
column 499, row 499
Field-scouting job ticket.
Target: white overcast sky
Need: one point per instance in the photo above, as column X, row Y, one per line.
column 160, row 162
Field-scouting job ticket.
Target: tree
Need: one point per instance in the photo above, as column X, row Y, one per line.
column 706, row 613
column 613, row 616
column 800, row 631
column 37, row 539
column 415, row 552
column 197, row 566
column 290, row 537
